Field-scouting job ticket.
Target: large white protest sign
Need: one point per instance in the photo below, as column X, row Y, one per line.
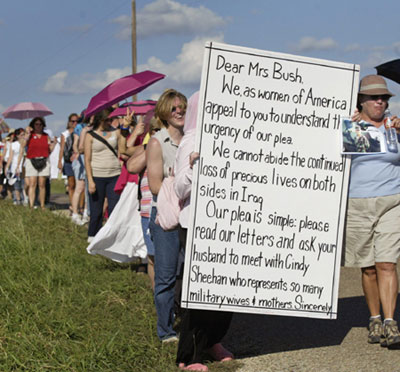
column 270, row 188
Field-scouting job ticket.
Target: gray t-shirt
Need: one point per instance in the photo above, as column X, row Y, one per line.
column 169, row 149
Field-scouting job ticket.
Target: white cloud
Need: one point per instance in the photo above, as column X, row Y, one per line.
column 309, row 43
column 396, row 47
column 56, row 83
column 373, row 48
column 56, row 126
column 163, row 17
column 185, row 70
column 125, row 22
column 353, row 47
column 379, row 48
column 374, row 59
column 100, row 80
column 61, row 83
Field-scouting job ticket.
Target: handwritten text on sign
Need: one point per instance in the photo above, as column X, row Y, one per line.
column 270, row 188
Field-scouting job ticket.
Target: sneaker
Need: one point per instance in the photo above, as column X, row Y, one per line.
column 375, row 331
column 85, row 218
column 391, row 335
column 90, row 239
column 170, row 339
column 77, row 220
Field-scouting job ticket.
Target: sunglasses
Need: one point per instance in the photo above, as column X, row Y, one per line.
column 174, row 108
column 73, row 121
column 383, row 97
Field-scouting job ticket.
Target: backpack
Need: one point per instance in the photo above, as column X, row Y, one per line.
column 68, row 148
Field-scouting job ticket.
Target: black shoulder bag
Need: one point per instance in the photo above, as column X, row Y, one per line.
column 101, row 139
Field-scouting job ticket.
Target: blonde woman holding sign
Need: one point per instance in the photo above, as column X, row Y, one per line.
column 161, row 150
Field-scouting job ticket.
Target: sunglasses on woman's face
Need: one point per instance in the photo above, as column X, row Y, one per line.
column 174, row 108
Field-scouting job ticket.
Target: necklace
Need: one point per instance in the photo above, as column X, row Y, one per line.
column 104, row 133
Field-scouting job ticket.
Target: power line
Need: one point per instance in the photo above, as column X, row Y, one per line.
column 71, row 42
column 72, row 62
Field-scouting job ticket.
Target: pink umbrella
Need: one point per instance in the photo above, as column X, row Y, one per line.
column 139, row 108
column 26, row 110
column 120, row 89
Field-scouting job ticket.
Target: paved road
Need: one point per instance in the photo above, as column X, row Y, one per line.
column 59, row 201
column 283, row 344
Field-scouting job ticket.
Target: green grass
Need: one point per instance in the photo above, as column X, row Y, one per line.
column 62, row 309
column 57, row 186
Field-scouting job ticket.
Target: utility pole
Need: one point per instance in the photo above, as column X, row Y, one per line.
column 134, row 64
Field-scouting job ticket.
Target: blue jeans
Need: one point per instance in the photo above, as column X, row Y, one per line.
column 146, row 236
column 104, row 187
column 167, row 246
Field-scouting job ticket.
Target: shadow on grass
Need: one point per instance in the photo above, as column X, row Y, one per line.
column 252, row 335
column 109, row 265
column 57, row 206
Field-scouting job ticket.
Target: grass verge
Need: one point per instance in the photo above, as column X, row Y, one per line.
column 64, row 310
column 57, row 186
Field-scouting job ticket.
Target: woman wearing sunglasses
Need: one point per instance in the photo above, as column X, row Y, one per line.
column 37, row 165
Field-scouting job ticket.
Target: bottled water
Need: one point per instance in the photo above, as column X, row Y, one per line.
column 391, row 134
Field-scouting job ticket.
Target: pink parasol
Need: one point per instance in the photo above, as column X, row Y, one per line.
column 138, row 107
column 26, row 110
column 120, row 89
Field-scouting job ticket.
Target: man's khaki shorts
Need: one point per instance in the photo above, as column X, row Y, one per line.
column 372, row 231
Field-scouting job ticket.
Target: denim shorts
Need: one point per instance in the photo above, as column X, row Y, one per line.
column 67, row 170
column 19, row 184
column 78, row 167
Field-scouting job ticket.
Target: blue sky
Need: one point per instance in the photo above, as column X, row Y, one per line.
column 61, row 53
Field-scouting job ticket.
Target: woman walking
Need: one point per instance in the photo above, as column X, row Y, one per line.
column 373, row 216
column 37, row 164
